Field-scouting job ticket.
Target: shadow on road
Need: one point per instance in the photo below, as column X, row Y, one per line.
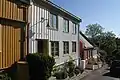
column 109, row 75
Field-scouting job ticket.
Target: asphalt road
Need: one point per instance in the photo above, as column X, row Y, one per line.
column 102, row 74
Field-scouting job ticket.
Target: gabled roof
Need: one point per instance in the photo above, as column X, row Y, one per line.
column 87, row 39
column 57, row 8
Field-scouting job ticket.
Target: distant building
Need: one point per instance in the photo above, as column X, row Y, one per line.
column 87, row 49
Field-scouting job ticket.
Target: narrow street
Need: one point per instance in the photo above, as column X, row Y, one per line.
column 101, row 74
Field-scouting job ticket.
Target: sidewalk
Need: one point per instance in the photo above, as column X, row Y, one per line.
column 88, row 72
column 84, row 74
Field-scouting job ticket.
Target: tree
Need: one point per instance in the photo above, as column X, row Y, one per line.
column 107, row 41
column 93, row 30
column 104, row 40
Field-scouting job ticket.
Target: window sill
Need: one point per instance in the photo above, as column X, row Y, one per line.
column 52, row 29
column 56, row 57
column 65, row 32
column 64, row 55
column 73, row 53
column 73, row 33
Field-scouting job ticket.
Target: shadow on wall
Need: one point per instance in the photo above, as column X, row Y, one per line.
column 31, row 33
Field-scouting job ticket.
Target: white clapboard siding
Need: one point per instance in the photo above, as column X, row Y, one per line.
column 39, row 30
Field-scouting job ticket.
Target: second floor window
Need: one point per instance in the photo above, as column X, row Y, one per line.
column 53, row 21
column 65, row 25
column 55, row 48
column 74, row 28
column 66, row 47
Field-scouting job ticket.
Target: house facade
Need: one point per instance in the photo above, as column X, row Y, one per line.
column 87, row 50
column 13, row 31
column 53, row 31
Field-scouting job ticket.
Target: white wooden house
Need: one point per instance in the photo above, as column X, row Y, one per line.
column 53, row 31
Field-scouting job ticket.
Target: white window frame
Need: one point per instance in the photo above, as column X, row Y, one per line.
column 54, row 48
column 65, row 47
column 73, row 46
column 51, row 21
column 74, row 28
column 65, row 25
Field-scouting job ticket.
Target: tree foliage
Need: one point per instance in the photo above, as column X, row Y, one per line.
column 93, row 30
column 104, row 40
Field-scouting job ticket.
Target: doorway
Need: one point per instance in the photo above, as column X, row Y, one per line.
column 43, row 46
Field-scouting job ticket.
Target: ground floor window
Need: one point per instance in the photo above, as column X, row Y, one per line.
column 65, row 47
column 73, row 46
column 55, row 48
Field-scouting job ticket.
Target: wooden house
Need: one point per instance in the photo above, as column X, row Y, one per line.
column 13, row 31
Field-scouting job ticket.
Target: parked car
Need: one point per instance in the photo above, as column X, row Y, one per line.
column 115, row 68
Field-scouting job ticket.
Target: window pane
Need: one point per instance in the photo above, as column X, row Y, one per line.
column 51, row 21
column 54, row 48
column 54, row 21
column 73, row 46
column 52, row 54
column 74, row 28
column 67, row 26
column 64, row 25
column 66, row 47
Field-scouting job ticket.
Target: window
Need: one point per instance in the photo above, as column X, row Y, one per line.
column 74, row 28
column 55, row 48
column 53, row 21
column 65, row 25
column 66, row 47
column 73, row 46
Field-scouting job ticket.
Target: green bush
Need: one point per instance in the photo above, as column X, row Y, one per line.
column 71, row 68
column 91, row 61
column 60, row 74
column 77, row 70
column 40, row 66
column 4, row 76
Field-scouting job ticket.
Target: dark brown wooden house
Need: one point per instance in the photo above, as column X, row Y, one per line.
column 13, row 31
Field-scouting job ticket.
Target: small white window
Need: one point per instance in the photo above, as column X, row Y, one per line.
column 74, row 28
column 53, row 21
column 66, row 47
column 65, row 25
column 73, row 46
column 55, row 48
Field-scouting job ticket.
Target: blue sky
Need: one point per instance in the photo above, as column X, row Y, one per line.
column 104, row 12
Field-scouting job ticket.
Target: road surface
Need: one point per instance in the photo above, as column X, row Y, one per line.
column 101, row 74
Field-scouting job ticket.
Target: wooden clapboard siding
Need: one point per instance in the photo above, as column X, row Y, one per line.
column 0, row 38
column 10, row 9
column 0, row 46
column 13, row 18
column 11, row 42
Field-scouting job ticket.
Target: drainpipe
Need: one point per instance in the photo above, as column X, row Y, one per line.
column 79, row 58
